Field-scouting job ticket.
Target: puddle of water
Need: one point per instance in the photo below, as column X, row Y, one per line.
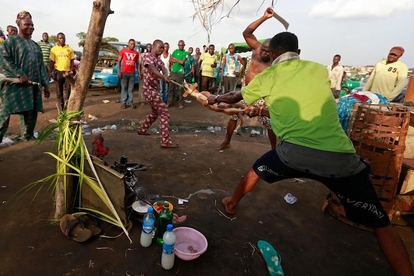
column 193, row 128
column 208, row 128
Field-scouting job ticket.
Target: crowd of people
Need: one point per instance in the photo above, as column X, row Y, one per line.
column 294, row 98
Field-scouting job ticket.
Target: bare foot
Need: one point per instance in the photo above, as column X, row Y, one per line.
column 227, row 206
column 169, row 146
column 223, row 146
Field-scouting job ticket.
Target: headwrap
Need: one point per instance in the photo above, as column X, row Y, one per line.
column 398, row 50
column 22, row 15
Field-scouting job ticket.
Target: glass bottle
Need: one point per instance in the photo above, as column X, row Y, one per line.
column 164, row 218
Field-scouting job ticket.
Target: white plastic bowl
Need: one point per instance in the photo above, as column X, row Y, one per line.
column 189, row 243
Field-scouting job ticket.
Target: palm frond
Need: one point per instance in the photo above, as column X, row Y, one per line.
column 70, row 161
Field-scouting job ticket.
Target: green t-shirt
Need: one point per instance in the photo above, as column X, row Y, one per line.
column 176, row 67
column 301, row 106
column 189, row 62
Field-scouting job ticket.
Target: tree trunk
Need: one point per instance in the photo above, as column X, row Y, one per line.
column 100, row 11
column 60, row 207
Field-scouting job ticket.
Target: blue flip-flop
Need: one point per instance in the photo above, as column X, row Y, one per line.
column 272, row 258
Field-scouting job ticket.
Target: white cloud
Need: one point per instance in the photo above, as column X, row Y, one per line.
column 162, row 10
column 346, row 9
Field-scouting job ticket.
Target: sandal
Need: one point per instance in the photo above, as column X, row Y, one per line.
column 74, row 229
column 167, row 146
column 89, row 222
column 272, row 258
column 143, row 133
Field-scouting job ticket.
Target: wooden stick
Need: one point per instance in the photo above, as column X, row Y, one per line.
column 176, row 83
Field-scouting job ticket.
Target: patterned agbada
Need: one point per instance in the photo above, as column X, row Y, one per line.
column 152, row 94
column 22, row 57
column 151, row 81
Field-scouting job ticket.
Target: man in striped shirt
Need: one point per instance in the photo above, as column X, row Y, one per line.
column 45, row 45
column 208, row 61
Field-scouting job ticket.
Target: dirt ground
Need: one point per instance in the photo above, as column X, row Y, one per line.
column 311, row 242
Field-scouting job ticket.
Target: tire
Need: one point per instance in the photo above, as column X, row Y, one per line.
column 118, row 87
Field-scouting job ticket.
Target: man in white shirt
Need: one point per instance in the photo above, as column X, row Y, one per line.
column 335, row 72
column 165, row 57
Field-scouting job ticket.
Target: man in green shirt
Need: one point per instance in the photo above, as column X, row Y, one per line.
column 303, row 114
column 177, row 60
column 189, row 67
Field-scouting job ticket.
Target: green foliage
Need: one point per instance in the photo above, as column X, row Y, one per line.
column 110, row 39
column 53, row 39
column 68, row 142
column 82, row 37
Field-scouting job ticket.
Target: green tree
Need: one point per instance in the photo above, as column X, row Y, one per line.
column 110, row 39
column 53, row 39
column 82, row 36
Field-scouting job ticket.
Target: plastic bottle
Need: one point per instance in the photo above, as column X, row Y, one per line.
column 167, row 257
column 164, row 218
column 147, row 228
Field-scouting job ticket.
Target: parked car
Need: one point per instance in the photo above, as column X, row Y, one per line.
column 106, row 70
column 351, row 83
column 399, row 99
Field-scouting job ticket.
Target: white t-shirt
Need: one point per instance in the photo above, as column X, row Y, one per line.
column 166, row 62
column 335, row 75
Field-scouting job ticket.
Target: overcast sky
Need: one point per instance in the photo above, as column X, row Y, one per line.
column 361, row 31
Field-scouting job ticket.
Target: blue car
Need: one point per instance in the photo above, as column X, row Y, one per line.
column 106, row 70
column 108, row 78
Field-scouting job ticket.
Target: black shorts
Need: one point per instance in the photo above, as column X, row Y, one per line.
column 356, row 192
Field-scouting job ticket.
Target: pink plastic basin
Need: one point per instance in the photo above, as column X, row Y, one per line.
column 189, row 243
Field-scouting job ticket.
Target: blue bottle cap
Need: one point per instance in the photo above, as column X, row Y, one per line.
column 150, row 210
column 170, row 227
